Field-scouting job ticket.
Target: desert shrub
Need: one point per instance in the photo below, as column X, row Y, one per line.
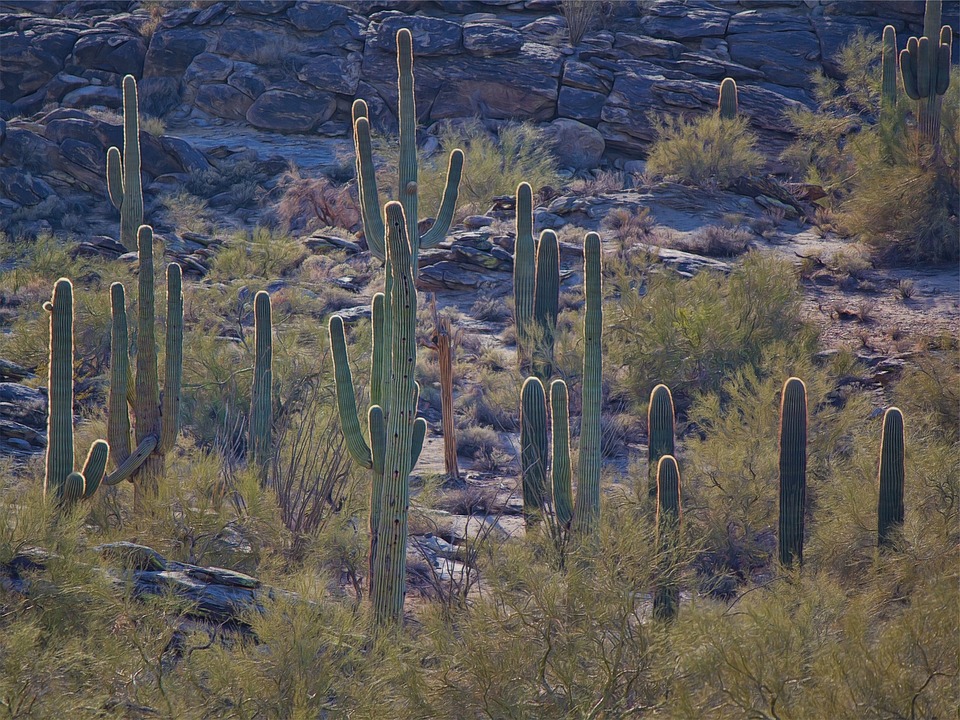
column 705, row 150
column 186, row 212
column 581, row 16
column 308, row 204
column 259, row 253
column 716, row 241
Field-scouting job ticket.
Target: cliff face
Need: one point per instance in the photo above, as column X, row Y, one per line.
column 295, row 67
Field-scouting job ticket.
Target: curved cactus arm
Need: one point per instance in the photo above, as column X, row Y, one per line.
column 346, row 396
column 95, row 467
column 943, row 63
column 377, row 357
column 533, row 449
column 357, row 110
column 587, row 511
column 925, row 79
column 524, row 272
column 71, row 489
column 451, row 191
column 419, row 434
column 59, row 456
column 115, row 177
column 378, row 437
column 908, row 69
column 373, row 228
column 560, row 470
column 173, row 361
column 118, row 416
column 891, row 475
column 793, row 470
column 128, row 467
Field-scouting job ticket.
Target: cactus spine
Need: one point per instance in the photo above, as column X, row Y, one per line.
column 660, row 431
column 891, row 473
column 261, row 394
column 925, row 67
column 793, row 470
column 666, row 599
column 156, row 425
column 60, row 478
column 727, row 104
column 123, row 176
column 370, row 207
column 583, row 516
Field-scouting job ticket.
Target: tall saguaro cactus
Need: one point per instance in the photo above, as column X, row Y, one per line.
column 261, row 394
column 666, row 599
column 925, row 67
column 60, row 478
column 157, row 424
column 891, row 473
column 584, row 515
column 536, row 289
column 123, row 175
column 661, row 432
column 727, row 104
column 408, row 192
column 793, row 470
column 394, row 434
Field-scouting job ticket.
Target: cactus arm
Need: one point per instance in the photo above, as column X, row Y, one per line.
column 932, row 13
column 128, row 467
column 131, row 208
column 94, row 467
column 373, row 228
column 378, row 437
column 924, row 76
column 943, row 60
column 118, row 417
column 546, row 303
column 533, row 449
column 560, row 470
column 727, row 103
column 261, row 394
column 587, row 511
column 793, row 470
column 524, row 273
column 147, row 384
column 173, row 360
column 891, row 474
column 59, row 456
column 660, row 431
column 115, row 177
column 888, row 95
column 451, row 192
column 408, row 192
column 666, row 599
column 419, row 434
column 379, row 349
column 390, row 563
column 908, row 70
column 346, row 396
column 72, row 489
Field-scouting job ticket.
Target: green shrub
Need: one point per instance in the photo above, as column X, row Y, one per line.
column 704, row 151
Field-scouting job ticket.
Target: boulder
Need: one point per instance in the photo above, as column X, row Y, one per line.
column 333, row 73
column 641, row 46
column 587, row 77
column 223, row 101
column 92, row 95
column 575, row 144
column 791, row 61
column 107, row 50
column 172, row 51
column 23, row 188
column 23, row 404
column 282, row 111
column 685, row 20
column 208, row 68
column 264, row 7
column 431, row 36
column 582, row 105
column 487, row 38
column 316, row 17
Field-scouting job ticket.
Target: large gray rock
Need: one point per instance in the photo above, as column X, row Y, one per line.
column 431, row 36
column 223, row 101
column 685, row 20
column 23, row 404
column 587, row 77
column 582, row 105
column 333, row 73
column 23, row 188
column 91, row 95
column 208, row 68
column 316, row 17
column 641, row 46
column 172, row 51
column 107, row 50
column 787, row 59
column 487, row 38
column 575, row 144
column 283, row 111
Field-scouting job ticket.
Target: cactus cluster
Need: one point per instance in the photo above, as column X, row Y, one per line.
column 61, row 479
column 260, row 435
column 925, row 68
column 727, row 103
column 123, row 174
column 156, row 423
column 584, row 515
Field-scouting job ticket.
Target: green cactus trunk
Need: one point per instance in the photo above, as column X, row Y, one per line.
column 533, row 450
column 408, row 191
column 661, row 432
column 890, row 503
column 261, row 394
column 727, row 105
column 561, row 471
column 60, row 479
column 524, row 275
column 793, row 471
column 123, row 176
column 666, row 598
column 546, row 304
column 888, row 93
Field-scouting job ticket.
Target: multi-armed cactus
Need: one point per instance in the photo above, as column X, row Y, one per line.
column 666, row 599
column 583, row 516
column 727, row 104
column 370, row 207
column 156, row 424
column 793, row 470
column 890, row 503
column 61, row 479
column 925, row 67
column 260, row 439
column 395, row 435
column 123, row 176
column 536, row 289
column 660, row 432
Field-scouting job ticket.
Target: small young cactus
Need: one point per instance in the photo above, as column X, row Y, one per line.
column 261, row 394
column 727, row 104
column 666, row 599
column 793, row 470
column 61, row 479
column 123, row 176
column 660, row 430
column 533, row 449
column 891, row 473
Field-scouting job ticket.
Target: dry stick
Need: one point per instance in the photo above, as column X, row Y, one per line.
column 443, row 343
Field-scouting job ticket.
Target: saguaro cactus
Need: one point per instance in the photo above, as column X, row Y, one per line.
column 793, row 470
column 123, row 181
column 370, row 207
column 584, row 515
column 395, row 433
column 60, row 478
column 727, row 104
column 925, row 67
column 666, row 599
column 156, row 425
column 889, row 58
column 261, row 394
column 536, row 289
column 891, row 473
column 661, row 433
